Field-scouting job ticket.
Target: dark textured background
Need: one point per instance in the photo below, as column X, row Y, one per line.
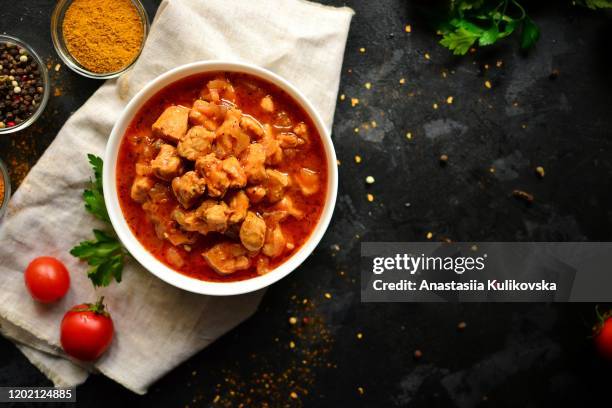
column 509, row 355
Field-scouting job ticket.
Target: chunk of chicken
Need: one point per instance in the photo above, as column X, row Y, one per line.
column 140, row 188
column 189, row 221
column 252, row 126
column 288, row 140
column 166, row 228
column 274, row 153
column 267, row 104
column 308, row 181
column 197, row 142
column 276, row 184
column 174, row 258
column 215, row 215
column 216, row 178
column 230, row 138
column 262, row 265
column 238, row 205
column 288, row 206
column 253, row 160
column 206, row 114
column 188, row 188
column 255, row 193
column 235, row 172
column 275, row 241
column 171, row 124
column 210, row 216
column 302, row 131
column 253, row 232
column 167, row 164
column 226, row 258
column 144, row 169
column 217, row 89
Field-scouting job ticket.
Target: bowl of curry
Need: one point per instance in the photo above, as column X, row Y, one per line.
column 220, row 178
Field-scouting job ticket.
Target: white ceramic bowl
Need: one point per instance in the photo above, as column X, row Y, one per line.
column 147, row 259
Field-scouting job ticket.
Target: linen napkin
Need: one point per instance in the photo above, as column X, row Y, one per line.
column 156, row 325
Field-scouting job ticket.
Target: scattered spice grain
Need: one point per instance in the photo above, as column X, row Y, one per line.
column 523, row 195
column 488, row 85
column 540, row 171
column 103, row 36
column 418, row 354
column 461, row 326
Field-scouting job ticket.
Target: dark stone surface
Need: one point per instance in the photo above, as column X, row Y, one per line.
column 510, row 354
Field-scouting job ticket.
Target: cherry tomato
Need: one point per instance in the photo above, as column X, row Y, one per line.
column 86, row 331
column 47, row 279
column 603, row 337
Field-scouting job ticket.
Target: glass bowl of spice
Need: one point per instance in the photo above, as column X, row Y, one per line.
column 5, row 188
column 24, row 85
column 99, row 39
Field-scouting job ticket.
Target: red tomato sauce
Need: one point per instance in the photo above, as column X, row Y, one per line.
column 249, row 91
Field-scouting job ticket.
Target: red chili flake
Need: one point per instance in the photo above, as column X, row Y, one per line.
column 10, row 124
column 305, row 320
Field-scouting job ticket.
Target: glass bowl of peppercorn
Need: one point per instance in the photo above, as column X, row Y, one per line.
column 24, row 85
column 99, row 39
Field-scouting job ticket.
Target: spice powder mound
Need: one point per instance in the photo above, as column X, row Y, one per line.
column 103, row 36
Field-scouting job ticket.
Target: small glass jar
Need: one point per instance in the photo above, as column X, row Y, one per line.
column 4, row 199
column 57, row 35
column 44, row 75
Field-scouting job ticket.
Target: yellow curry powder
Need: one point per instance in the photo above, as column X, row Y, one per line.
column 103, row 36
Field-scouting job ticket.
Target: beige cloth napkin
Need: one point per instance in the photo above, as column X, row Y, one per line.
column 157, row 326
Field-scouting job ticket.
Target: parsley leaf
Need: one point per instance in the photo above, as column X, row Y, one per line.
column 104, row 255
column 530, row 34
column 459, row 41
column 94, row 196
column 485, row 22
column 597, row 4
column 489, row 37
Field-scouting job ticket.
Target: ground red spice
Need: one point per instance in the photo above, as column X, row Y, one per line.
column 1, row 191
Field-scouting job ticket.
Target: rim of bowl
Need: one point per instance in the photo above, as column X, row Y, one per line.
column 7, row 188
column 57, row 19
column 45, row 80
column 142, row 255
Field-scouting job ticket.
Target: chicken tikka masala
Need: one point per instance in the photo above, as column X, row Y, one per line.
column 222, row 176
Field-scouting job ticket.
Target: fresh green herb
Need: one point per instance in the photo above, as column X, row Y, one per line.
column 468, row 23
column 484, row 22
column 595, row 4
column 94, row 196
column 104, row 255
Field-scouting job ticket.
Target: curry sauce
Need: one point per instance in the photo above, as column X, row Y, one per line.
column 222, row 176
